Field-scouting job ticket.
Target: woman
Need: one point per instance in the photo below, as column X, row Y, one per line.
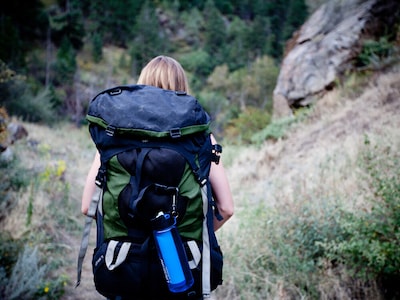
column 166, row 73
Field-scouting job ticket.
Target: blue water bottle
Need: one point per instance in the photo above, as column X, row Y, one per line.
column 172, row 253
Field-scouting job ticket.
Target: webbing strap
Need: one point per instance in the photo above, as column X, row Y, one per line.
column 97, row 195
column 206, row 263
column 116, row 253
column 194, row 249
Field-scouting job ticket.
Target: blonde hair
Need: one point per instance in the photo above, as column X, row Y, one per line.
column 166, row 73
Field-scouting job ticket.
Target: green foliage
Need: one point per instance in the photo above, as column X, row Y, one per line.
column 277, row 248
column 278, row 129
column 203, row 35
column 65, row 65
column 296, row 16
column 193, row 22
column 242, row 128
column 9, row 249
column 13, row 179
column 34, row 108
column 67, row 23
column 238, row 53
column 27, row 274
column 21, row 24
column 97, row 47
column 315, row 246
column 149, row 39
column 275, row 130
column 197, row 62
column 23, row 275
column 369, row 245
column 374, row 52
column 114, row 20
column 215, row 33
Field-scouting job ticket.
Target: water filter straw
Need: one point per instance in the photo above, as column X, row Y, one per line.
column 172, row 254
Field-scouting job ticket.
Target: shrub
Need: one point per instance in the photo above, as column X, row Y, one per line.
column 370, row 243
column 13, row 178
column 26, row 276
column 20, row 100
column 278, row 129
column 374, row 52
column 243, row 127
column 9, row 249
column 281, row 255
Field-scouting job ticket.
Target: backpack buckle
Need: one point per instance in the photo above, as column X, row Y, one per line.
column 110, row 130
column 101, row 177
column 175, row 133
column 216, row 153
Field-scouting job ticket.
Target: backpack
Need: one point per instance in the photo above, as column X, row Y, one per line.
column 156, row 152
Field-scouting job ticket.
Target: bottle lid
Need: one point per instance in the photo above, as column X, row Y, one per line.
column 162, row 221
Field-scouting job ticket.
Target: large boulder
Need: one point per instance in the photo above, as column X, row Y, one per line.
column 325, row 45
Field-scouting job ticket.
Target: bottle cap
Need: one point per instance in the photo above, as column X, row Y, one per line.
column 162, row 221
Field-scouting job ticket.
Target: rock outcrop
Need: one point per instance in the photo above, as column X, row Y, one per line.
column 324, row 47
column 9, row 133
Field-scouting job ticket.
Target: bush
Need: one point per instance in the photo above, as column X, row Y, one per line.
column 315, row 245
column 9, row 249
column 243, row 127
column 278, row 129
column 13, row 178
column 26, row 276
column 374, row 52
column 19, row 100
column 370, row 243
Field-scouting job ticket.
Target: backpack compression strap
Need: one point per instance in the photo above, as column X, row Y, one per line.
column 97, row 195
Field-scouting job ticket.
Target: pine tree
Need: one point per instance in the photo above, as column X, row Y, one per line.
column 150, row 39
column 66, row 65
column 296, row 15
column 67, row 22
column 215, row 33
column 21, row 23
column 97, row 47
column 237, row 53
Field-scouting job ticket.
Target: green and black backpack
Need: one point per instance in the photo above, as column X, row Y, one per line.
column 156, row 152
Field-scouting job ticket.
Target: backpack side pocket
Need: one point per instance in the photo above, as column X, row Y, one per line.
column 119, row 268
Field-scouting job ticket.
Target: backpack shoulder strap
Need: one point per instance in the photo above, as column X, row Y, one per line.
column 206, row 255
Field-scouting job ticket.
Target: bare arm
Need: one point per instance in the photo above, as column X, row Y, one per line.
column 90, row 184
column 222, row 192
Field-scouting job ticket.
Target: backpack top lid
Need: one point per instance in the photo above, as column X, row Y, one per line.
column 147, row 110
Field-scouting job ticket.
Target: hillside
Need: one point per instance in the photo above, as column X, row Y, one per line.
column 316, row 188
column 302, row 175
column 318, row 153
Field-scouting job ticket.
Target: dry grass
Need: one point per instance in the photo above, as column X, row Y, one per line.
column 316, row 162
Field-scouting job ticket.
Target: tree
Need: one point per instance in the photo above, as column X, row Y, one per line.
column 150, row 39
column 66, row 21
column 97, row 47
column 296, row 15
column 215, row 33
column 115, row 20
column 237, row 52
column 193, row 22
column 21, row 24
column 65, row 65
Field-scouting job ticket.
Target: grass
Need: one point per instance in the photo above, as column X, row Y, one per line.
column 46, row 218
column 293, row 196
column 290, row 250
column 302, row 203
